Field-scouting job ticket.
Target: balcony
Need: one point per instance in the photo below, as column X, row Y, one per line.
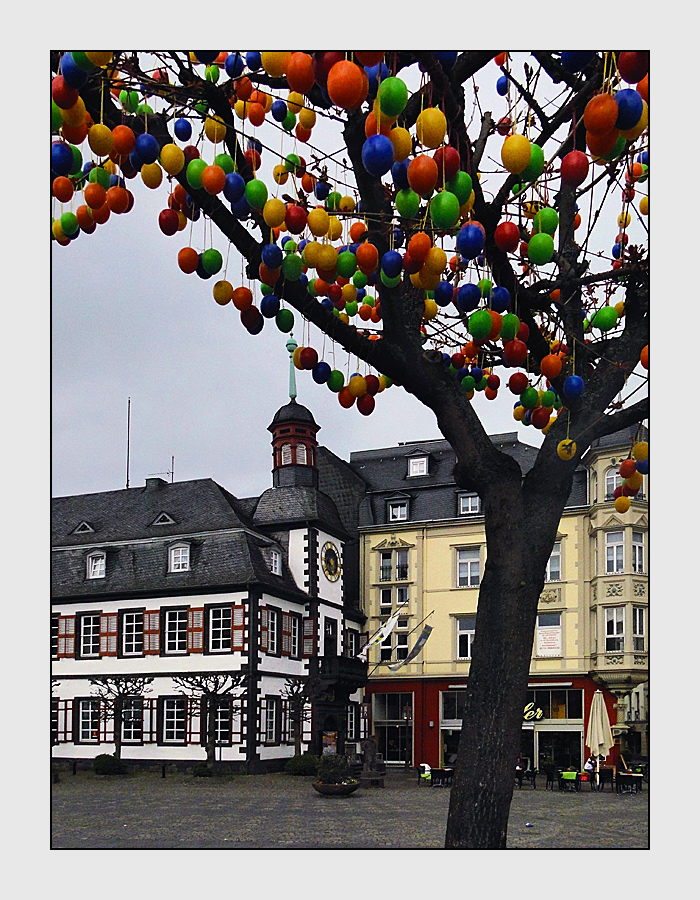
column 347, row 672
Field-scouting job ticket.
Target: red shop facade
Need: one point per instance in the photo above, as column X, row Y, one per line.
column 420, row 720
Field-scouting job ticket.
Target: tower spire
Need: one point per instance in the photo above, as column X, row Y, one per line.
column 291, row 347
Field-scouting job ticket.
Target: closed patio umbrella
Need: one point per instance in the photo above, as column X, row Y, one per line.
column 599, row 735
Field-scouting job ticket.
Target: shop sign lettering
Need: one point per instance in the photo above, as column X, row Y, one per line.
column 532, row 712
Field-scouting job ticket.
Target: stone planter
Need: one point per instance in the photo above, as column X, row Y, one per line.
column 335, row 790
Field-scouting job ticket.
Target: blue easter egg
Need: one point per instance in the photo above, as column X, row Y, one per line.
column 377, row 155
column 270, row 306
column 442, row 294
column 233, row 65
column 147, row 148
column 500, row 299
column 470, row 241
column 61, row 158
column 234, row 187
column 272, row 256
column 468, row 297
column 392, row 263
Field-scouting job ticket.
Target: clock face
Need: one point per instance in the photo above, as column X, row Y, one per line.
column 330, row 561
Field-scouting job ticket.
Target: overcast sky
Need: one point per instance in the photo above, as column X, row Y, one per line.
column 127, row 323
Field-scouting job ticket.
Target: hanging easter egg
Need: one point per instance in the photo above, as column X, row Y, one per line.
column 443, row 293
column 540, row 249
column 336, row 381
column 273, row 211
column 509, row 327
column 622, row 504
column 566, row 449
column 431, row 127
column 152, row 175
column 212, row 261
column 146, row 146
column 550, row 365
column 573, row 387
column 345, row 84
column 407, row 203
column 461, row 186
column 507, row 237
column 640, row 451
column 480, row 324
column 401, row 142
column 169, row 221
column 187, row 260
column 194, row 172
column 321, row 372
column 69, row 224
column 644, row 357
column 269, row 306
column 272, row 256
column 470, row 241
column 285, row 320
column 629, row 108
column 275, row 62
column 515, row 352
column 605, row 318
column 422, row 174
column 535, row 167
column 295, row 219
column 444, row 210
column 292, row 267
column 392, row 96
column 234, row 188
column 576, row 60
column 500, row 299
column 256, row 193
column 545, row 221
column 468, row 297
column 574, row 168
column 600, row 114
column 377, row 155
column 392, row 263
column 633, row 65
column 366, row 404
column 223, row 292
column 516, row 153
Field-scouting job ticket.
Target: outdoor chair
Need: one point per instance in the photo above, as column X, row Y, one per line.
column 606, row 776
column 569, row 781
column 549, row 774
column 526, row 775
column 423, row 771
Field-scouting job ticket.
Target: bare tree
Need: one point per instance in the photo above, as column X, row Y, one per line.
column 300, row 693
column 211, row 689
column 117, row 695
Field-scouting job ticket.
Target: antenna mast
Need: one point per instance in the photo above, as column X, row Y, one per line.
column 128, row 438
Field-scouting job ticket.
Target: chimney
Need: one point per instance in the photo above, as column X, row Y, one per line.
column 155, row 484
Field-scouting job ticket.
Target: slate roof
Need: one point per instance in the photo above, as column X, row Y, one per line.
column 225, row 550
column 195, row 506
column 292, row 504
column 293, row 411
column 218, row 562
column 434, row 496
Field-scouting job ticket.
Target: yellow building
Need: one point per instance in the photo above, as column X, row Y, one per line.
column 422, row 553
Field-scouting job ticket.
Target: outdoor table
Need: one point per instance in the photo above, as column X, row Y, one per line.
column 629, row 782
column 441, row 777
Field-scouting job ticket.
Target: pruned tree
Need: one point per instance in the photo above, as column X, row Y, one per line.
column 299, row 694
column 210, row 689
column 117, row 695
column 504, row 223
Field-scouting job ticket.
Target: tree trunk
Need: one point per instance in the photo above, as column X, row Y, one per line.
column 296, row 724
column 210, row 706
column 519, row 544
column 118, row 718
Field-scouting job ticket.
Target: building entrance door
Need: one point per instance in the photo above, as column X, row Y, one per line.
column 394, row 742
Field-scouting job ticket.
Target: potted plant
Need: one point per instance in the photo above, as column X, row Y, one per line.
column 334, row 778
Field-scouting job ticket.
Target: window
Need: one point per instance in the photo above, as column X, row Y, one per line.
column 385, row 599
column 385, row 566
column 132, row 633
column 398, row 510
column 401, row 596
column 468, row 567
column 638, row 629
column 54, row 635
column 270, row 724
column 275, row 562
column 614, row 629
column 54, row 720
column 330, row 636
column 286, row 454
column 180, row 558
column 301, row 454
column 96, row 565
column 132, row 721
column 553, row 571
column 88, row 721
column 637, row 552
column 594, row 487
column 418, row 465
column 175, row 631
column 352, row 728
column 89, row 635
column 614, row 552
column 548, row 637
column 386, row 649
column 352, row 642
column 613, row 481
column 219, row 629
column 465, row 636
column 223, row 720
column 174, row 720
column 294, row 636
column 453, row 705
column 468, row 503
column 556, row 704
column 402, row 638
column 401, row 565
column 273, row 626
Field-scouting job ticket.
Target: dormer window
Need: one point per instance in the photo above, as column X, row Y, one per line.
column 164, row 519
column 417, row 465
column 84, row 528
column 180, row 558
column 398, row 510
column 275, row 562
column 96, row 564
column 468, row 503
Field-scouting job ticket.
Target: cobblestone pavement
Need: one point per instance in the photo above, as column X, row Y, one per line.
column 277, row 811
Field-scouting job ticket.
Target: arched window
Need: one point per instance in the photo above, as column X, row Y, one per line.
column 594, row 487
column 286, row 454
column 612, row 481
column 301, row 454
